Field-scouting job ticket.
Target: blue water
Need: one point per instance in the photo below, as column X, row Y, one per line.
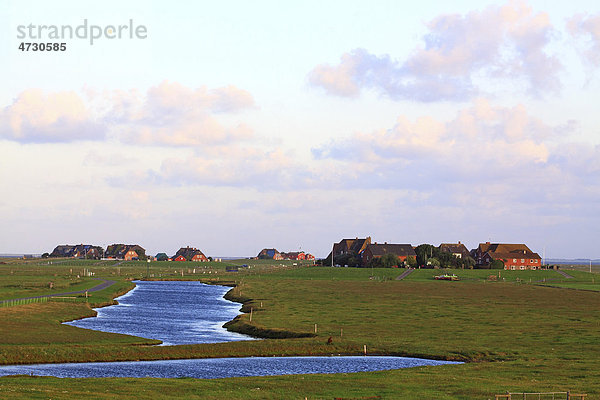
column 176, row 312
column 219, row 367
column 179, row 312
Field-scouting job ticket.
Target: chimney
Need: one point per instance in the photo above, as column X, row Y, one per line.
column 384, row 242
column 459, row 242
column 487, row 242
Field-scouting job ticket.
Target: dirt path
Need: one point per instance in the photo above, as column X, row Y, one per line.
column 405, row 274
column 563, row 273
column 105, row 283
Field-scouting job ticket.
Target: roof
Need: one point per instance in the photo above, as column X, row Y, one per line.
column 120, row 249
column 188, row 253
column 507, row 250
column 403, row 250
column 355, row 245
column 454, row 248
column 268, row 252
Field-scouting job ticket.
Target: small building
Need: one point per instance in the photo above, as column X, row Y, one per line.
column 514, row 256
column 372, row 251
column 162, row 257
column 179, row 258
column 458, row 250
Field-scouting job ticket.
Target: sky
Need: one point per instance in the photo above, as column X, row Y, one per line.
column 234, row 126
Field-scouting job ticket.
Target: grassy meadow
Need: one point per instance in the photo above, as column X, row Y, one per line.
column 520, row 331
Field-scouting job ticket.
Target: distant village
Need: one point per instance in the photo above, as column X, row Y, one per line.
column 357, row 252
column 134, row 252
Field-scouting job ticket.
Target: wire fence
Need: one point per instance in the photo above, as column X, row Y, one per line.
column 21, row 302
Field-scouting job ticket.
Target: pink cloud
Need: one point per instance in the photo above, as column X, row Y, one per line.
column 506, row 42
column 168, row 114
column 587, row 27
column 37, row 117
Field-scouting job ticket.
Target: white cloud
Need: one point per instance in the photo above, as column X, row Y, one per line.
column 587, row 27
column 36, row 117
column 505, row 43
column 481, row 140
column 167, row 114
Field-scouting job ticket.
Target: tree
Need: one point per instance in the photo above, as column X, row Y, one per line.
column 411, row 261
column 468, row 262
column 425, row 252
column 45, row 255
column 497, row 264
column 434, row 262
column 385, row 261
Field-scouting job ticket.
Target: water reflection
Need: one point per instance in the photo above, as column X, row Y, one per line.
column 220, row 367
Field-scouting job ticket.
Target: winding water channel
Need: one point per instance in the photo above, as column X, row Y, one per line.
column 177, row 312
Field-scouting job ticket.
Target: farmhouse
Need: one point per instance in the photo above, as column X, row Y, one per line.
column 458, row 250
column 269, row 254
column 125, row 252
column 514, row 256
column 189, row 254
column 372, row 251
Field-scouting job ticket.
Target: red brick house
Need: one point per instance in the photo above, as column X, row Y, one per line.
column 131, row 255
column 371, row 251
column 514, row 256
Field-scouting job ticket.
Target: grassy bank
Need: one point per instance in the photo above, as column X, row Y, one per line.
column 517, row 335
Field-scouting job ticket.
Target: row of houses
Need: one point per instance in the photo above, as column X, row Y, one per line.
column 114, row 251
column 273, row 254
column 513, row 256
column 126, row 252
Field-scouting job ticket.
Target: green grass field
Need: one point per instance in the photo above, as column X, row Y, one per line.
column 515, row 333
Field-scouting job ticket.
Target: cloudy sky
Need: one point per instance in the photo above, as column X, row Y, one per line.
column 237, row 125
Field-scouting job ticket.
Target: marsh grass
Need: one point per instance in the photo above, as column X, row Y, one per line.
column 516, row 336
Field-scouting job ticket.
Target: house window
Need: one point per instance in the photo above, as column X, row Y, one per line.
column 513, row 267
column 533, row 261
column 522, row 267
column 534, row 268
column 522, row 260
column 514, row 260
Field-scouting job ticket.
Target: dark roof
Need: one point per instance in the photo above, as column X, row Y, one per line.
column 354, row 246
column 403, row 250
column 119, row 250
column 454, row 248
column 69, row 250
column 268, row 253
column 506, row 250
